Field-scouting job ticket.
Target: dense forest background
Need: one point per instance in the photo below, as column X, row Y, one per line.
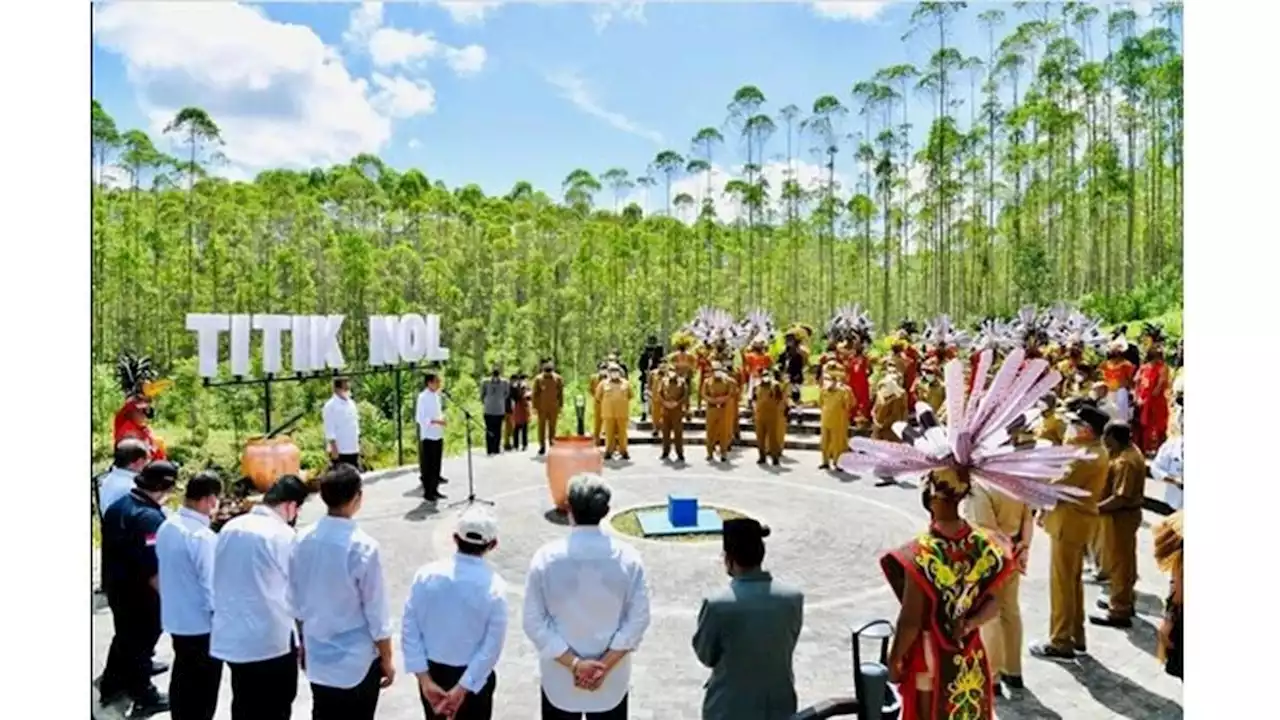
column 1050, row 169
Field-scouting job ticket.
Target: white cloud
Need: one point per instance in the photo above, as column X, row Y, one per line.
column 400, row 97
column 389, row 47
column 1141, row 8
column 279, row 94
column 855, row 10
column 466, row 61
column 574, row 89
column 604, row 14
column 414, row 143
column 469, row 12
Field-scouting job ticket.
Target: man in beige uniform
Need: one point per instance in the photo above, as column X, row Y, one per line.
column 994, row 511
column 1121, row 513
column 1070, row 527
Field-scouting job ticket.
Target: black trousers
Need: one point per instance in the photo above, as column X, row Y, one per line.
column 264, row 690
column 194, row 680
column 135, row 617
column 520, row 436
column 493, row 433
column 551, row 712
column 353, row 460
column 357, row 703
column 430, row 454
column 476, row 706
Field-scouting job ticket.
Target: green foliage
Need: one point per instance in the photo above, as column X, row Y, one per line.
column 1062, row 181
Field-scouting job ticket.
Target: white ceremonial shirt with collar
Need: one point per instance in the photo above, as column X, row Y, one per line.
column 342, row 424
column 113, row 485
column 185, row 549
column 586, row 594
column 252, row 613
column 335, row 578
column 429, row 408
column 456, row 615
column 1168, row 463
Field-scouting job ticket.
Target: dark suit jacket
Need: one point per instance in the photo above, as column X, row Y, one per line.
column 747, row 636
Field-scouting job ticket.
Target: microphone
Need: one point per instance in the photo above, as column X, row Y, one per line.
column 449, row 397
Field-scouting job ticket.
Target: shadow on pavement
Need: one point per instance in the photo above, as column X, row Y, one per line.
column 1024, row 704
column 422, row 512
column 1118, row 693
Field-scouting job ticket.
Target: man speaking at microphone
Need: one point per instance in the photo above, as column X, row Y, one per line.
column 430, row 418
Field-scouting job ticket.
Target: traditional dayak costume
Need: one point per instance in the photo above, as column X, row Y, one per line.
column 852, row 326
column 1076, row 334
column 141, row 385
column 758, row 326
column 958, row 573
column 1151, row 391
column 906, row 345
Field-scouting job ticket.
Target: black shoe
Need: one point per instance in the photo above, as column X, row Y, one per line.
column 710, row 458
column 1111, row 621
column 1103, row 603
column 542, row 451
column 824, row 466
column 437, row 495
column 152, row 702
column 444, row 481
column 996, row 689
column 679, row 458
column 1013, row 682
column 724, row 458
column 1048, row 651
column 665, row 456
column 777, row 462
column 626, row 456
column 761, row 461
column 159, row 668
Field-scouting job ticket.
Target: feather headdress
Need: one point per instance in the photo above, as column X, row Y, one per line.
column 850, row 322
column 940, row 333
column 974, row 444
column 758, row 325
column 1079, row 330
column 1153, row 332
column 712, row 324
column 991, row 335
column 1030, row 327
column 134, row 373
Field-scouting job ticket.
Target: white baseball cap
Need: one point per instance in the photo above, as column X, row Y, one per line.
column 477, row 525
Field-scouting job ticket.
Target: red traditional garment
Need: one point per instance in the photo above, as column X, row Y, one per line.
column 1117, row 373
column 754, row 363
column 957, row 575
column 126, row 426
column 859, row 381
column 973, row 372
column 912, row 356
column 1151, row 390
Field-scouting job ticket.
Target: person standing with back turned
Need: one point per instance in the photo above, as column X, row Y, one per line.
column 340, row 601
column 586, row 608
column 431, row 422
column 184, row 549
column 494, row 394
column 747, row 634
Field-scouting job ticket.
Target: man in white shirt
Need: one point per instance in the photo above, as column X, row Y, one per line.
column 1167, row 466
column 586, row 609
column 429, row 414
column 184, row 552
column 335, row 576
column 342, row 425
column 455, row 624
column 253, row 618
column 130, row 457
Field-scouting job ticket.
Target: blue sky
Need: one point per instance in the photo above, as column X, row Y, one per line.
column 493, row 92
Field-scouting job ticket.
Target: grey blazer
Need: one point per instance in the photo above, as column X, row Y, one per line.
column 747, row 636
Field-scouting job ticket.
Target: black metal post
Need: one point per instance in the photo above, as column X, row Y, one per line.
column 266, row 403
column 399, row 422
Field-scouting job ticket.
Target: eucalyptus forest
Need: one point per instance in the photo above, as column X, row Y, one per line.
column 1048, row 168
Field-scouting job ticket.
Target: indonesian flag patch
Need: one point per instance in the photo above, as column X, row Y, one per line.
column 151, row 540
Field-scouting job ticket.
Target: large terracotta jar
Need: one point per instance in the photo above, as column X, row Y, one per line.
column 570, row 456
column 265, row 460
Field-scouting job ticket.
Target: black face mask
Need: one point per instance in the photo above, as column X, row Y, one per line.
column 150, row 412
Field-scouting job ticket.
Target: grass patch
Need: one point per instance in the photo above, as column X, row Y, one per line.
column 628, row 524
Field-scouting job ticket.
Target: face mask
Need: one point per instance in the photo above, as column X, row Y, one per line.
column 150, row 412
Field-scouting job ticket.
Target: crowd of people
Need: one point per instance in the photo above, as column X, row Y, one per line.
column 265, row 601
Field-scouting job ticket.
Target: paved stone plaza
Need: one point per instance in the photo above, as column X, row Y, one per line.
column 828, row 532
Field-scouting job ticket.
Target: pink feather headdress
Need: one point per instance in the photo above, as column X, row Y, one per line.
column 974, row 443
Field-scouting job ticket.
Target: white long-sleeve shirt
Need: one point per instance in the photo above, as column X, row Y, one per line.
column 252, row 613
column 342, row 424
column 185, row 556
column 585, row 593
column 1168, row 463
column 429, row 408
column 114, row 485
column 335, row 580
column 456, row 615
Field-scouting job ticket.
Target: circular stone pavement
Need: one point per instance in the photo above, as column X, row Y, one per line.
column 828, row 531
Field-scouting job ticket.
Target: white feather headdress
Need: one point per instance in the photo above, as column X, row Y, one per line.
column 974, row 443
column 941, row 333
column 849, row 322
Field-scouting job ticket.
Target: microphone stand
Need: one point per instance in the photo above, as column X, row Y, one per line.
column 471, row 498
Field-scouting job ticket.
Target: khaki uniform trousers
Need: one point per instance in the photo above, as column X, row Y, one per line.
column 1066, row 594
column 1122, row 559
column 672, row 431
column 547, row 427
column 1003, row 635
column 719, row 434
column 615, row 435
